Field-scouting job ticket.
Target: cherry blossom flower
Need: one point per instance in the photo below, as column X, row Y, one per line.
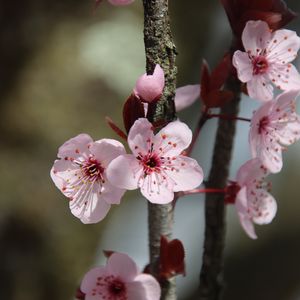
column 253, row 202
column 267, row 60
column 156, row 165
column 273, row 126
column 119, row 280
column 80, row 174
column 186, row 95
column 150, row 87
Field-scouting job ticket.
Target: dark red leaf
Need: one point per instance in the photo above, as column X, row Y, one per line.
column 133, row 109
column 171, row 258
column 115, row 128
column 274, row 12
column 218, row 98
column 205, row 79
column 220, row 73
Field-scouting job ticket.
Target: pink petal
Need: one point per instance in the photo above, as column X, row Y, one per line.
column 252, row 169
column 124, row 172
column 74, row 147
column 140, row 136
column 259, row 88
column 144, row 287
column 283, row 47
column 112, row 194
column 185, row 173
column 285, row 77
column 106, row 150
column 89, row 280
column 186, row 96
column 156, row 189
column 266, row 210
column 255, row 36
column 271, row 157
column 120, row 2
column 248, row 226
column 89, row 206
column 243, row 65
column 121, row 265
column 150, row 87
column 173, row 139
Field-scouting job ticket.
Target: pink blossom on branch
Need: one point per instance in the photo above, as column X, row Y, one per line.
column 150, row 87
column 253, row 202
column 156, row 165
column 80, row 174
column 119, row 280
column 273, row 126
column 186, row 95
column 267, row 60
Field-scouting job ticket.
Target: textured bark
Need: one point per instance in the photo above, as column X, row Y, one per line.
column 211, row 276
column 160, row 49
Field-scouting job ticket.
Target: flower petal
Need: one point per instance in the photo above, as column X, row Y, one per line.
column 186, row 96
column 265, row 209
column 173, row 139
column 106, row 150
column 285, row 77
column 185, row 172
column 248, row 226
column 144, row 287
column 140, row 136
column 89, row 281
column 259, row 88
column 124, row 172
column 156, row 188
column 112, row 194
column 88, row 205
column 243, row 65
column 75, row 146
column 284, row 46
column 271, row 156
column 150, row 87
column 255, row 36
column 121, row 265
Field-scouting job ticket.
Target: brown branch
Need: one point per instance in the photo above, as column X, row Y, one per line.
column 160, row 49
column 211, row 276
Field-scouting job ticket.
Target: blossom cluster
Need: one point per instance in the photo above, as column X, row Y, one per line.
column 265, row 63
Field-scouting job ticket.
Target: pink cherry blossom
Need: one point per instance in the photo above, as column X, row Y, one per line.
column 156, row 165
column 186, row 95
column 273, row 126
column 120, row 2
column 267, row 60
column 253, row 202
column 80, row 174
column 119, row 280
column 150, row 87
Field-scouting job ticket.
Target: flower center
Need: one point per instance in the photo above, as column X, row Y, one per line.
column 117, row 287
column 93, row 170
column 151, row 163
column 260, row 65
column 262, row 125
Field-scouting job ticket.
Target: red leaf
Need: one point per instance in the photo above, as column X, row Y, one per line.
column 171, row 258
column 220, row 73
column 205, row 79
column 115, row 128
column 79, row 294
column 133, row 109
column 218, row 98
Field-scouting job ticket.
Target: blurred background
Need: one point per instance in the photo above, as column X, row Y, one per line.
column 63, row 68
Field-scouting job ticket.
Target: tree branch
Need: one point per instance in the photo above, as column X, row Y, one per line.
column 211, row 276
column 160, row 49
